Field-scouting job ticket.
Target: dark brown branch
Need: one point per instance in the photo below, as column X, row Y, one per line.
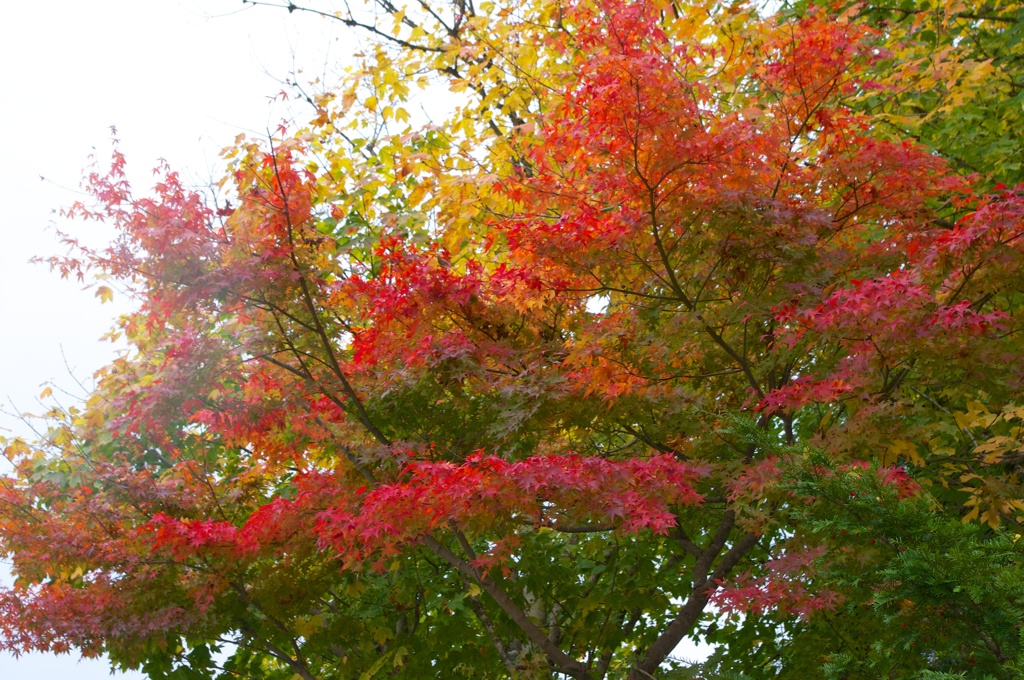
column 488, row 626
column 581, row 528
column 703, row 587
column 352, row 401
column 565, row 663
column 351, row 23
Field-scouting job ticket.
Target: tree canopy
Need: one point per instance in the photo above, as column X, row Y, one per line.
column 690, row 320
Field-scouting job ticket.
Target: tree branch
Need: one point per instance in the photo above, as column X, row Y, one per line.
column 565, row 663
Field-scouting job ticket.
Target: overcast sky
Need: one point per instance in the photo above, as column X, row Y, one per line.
column 179, row 79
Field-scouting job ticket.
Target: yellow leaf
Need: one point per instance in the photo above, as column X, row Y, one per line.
column 976, row 416
column 105, row 294
column 347, row 100
column 18, row 447
column 307, row 626
column 416, row 195
column 906, row 450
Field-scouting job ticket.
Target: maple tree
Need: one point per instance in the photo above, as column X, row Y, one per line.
column 918, row 592
column 552, row 384
column 956, row 81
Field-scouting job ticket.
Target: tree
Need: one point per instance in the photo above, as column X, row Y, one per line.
column 518, row 394
column 918, row 592
column 957, row 82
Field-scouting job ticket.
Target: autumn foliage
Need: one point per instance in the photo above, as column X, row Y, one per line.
column 666, row 322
